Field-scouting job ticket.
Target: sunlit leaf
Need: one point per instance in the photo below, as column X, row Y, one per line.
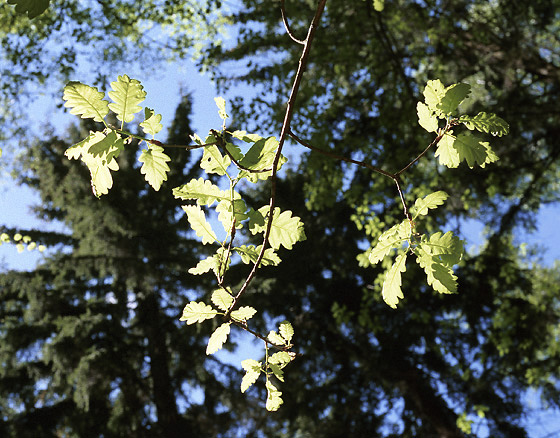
column 454, row 95
column 273, row 398
column 203, row 190
column 448, row 155
column 221, row 104
column 433, row 94
column 197, row 312
column 426, row 118
column 213, row 161
column 429, row 202
column 243, row 314
column 285, row 231
column 198, row 222
column 275, row 338
column 127, row 94
column 218, row 338
column 152, row 122
column 486, row 122
column 251, row 253
column 253, row 370
column 391, row 291
column 155, row 166
column 85, row 101
column 286, row 331
column 222, row 299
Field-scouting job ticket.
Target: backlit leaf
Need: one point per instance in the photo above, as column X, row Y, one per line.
column 222, row 299
column 213, row 161
column 244, row 313
column 273, row 398
column 433, row 94
column 486, row 122
column 253, row 370
column 471, row 149
column 426, row 118
column 127, row 94
column 221, row 104
column 218, row 338
column 205, row 265
column 391, row 291
column 281, row 358
column 251, row 253
column 448, row 155
column 429, row 202
column 198, row 222
column 275, row 338
column 227, row 210
column 155, row 166
column 197, row 312
column 285, row 231
column 85, row 101
column 454, row 95
column 286, row 331
column 152, row 122
column 202, row 190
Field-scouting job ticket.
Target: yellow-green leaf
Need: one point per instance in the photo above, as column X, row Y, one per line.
column 218, row 338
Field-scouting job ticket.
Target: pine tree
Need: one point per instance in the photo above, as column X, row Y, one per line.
column 91, row 342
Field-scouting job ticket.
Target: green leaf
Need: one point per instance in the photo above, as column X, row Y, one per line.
column 197, row 312
column 155, row 166
column 454, row 95
column 285, row 231
column 260, row 157
column 391, row 291
column 433, row 94
column 277, row 371
column 251, row 253
column 391, row 239
column 198, row 222
column 243, row 314
column 439, row 275
column 378, row 5
column 85, row 101
column 222, row 299
column 281, row 358
column 202, row 190
column 286, row 331
column 471, row 149
column 218, row 338
column 127, row 94
column 227, row 210
column 426, row 118
column 275, row 338
column 429, row 202
column 486, row 122
column 447, row 247
column 212, row 160
column 273, row 398
column 221, row 104
column 448, row 155
column 253, row 370
column 205, row 265
column 151, row 124
column 33, row 8
column 247, row 138
column 108, row 147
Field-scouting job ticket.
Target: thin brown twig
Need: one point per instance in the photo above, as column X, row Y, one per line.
column 287, row 25
column 283, row 134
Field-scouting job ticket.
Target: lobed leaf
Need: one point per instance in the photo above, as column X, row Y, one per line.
column 222, row 299
column 152, row 122
column 447, row 247
column 213, row 161
column 221, row 104
column 198, row 222
column 429, row 202
column 275, row 338
column 205, row 265
column 426, row 118
column 218, row 338
column 471, row 149
column 277, row 371
column 155, row 166
column 273, row 398
column 243, row 314
column 228, row 210
column 285, row 230
column 33, row 8
column 286, row 331
column 202, row 190
column 486, row 122
column 107, row 147
column 433, row 94
column 391, row 291
column 281, row 358
column 448, row 155
column 85, row 101
column 197, row 312
column 127, row 94
column 253, row 370
column 251, row 254
column 390, row 239
column 454, row 95
column 438, row 275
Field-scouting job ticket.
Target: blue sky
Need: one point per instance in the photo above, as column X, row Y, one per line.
column 163, row 95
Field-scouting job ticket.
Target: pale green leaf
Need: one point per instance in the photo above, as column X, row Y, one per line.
column 227, row 210
column 454, row 95
column 277, row 371
column 285, row 231
column 486, row 122
column 275, row 338
column 221, row 104
column 433, row 94
column 448, row 155
column 243, row 314
column 438, row 275
column 152, row 122
column 260, row 158
column 213, row 161
column 155, row 166
column 202, row 190
column 391, row 239
column 218, row 338
column 429, row 202
column 378, row 5
column 447, row 247
column 286, row 331
column 222, row 299
column 127, row 94
column 250, row 254
column 426, row 118
column 197, row 312
column 85, row 101
column 205, row 265
column 281, row 358
column 247, row 138
column 198, row 222
column 33, row 8
column 108, row 147
column 274, row 397
column 391, row 291
column 253, row 370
